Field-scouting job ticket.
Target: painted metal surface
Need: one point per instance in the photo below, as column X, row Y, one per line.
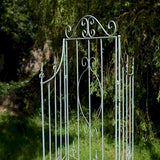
column 58, row 107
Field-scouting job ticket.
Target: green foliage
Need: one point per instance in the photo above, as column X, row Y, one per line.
column 7, row 87
column 17, row 33
column 158, row 98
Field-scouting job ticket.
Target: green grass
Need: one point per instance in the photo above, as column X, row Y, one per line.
column 20, row 139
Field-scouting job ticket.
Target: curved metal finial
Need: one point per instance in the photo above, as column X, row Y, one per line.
column 41, row 75
column 131, row 73
column 88, row 21
column 96, row 158
column 55, row 65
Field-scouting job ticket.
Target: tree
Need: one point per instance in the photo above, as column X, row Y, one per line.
column 17, row 34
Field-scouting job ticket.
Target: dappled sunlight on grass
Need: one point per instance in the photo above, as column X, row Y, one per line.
column 20, row 139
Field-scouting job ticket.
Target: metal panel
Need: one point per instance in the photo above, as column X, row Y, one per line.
column 124, row 96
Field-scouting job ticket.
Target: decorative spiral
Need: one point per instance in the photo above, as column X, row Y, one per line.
column 94, row 61
column 92, row 33
column 88, row 32
column 91, row 20
column 84, row 33
column 112, row 24
column 84, row 61
column 84, row 22
column 88, row 21
column 68, row 30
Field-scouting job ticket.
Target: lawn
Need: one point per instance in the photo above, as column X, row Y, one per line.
column 20, row 139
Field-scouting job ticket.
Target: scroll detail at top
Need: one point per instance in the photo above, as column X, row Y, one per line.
column 88, row 21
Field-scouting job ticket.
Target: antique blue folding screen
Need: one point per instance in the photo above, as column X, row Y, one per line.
column 55, row 108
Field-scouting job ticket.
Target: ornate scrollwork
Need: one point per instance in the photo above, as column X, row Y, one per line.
column 112, row 24
column 94, row 62
column 91, row 62
column 84, row 61
column 88, row 63
column 88, row 21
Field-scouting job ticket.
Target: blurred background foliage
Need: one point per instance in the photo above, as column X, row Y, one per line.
column 27, row 25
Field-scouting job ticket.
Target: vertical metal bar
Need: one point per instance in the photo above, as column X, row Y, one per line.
column 129, row 117
column 119, row 94
column 60, row 96
column 77, row 95
column 64, row 64
column 127, row 109
column 116, row 98
column 89, row 81
column 133, row 109
column 123, row 108
column 67, row 97
column 101, row 47
column 55, row 107
column 49, row 113
column 42, row 110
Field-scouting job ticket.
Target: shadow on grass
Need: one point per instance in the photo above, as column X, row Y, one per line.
column 19, row 138
column 155, row 155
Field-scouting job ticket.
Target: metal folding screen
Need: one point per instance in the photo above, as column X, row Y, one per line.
column 57, row 100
